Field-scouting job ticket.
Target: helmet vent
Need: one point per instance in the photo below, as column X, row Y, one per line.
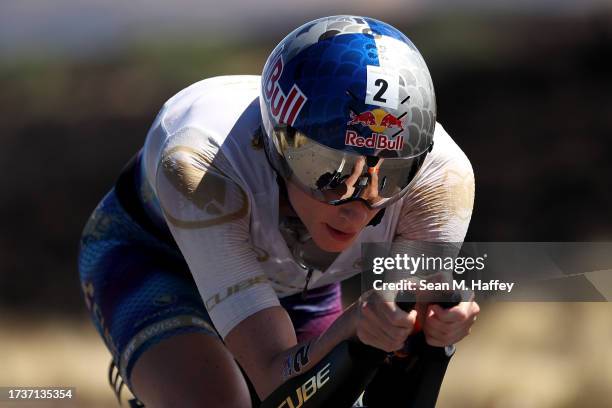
column 329, row 34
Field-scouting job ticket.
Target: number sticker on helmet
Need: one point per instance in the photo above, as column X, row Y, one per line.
column 382, row 87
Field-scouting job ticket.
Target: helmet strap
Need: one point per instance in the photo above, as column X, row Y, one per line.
column 283, row 195
column 377, row 218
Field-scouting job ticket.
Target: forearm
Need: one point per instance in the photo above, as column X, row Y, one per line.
column 303, row 356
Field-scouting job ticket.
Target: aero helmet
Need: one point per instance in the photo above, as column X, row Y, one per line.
column 348, row 110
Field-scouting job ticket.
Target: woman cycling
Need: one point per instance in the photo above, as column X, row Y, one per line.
column 213, row 265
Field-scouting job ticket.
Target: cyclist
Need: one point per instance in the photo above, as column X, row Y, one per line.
column 212, row 267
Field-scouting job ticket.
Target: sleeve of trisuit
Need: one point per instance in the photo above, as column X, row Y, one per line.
column 208, row 213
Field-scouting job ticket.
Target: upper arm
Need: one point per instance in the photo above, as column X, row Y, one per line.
column 207, row 211
column 438, row 207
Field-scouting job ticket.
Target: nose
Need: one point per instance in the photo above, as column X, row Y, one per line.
column 354, row 212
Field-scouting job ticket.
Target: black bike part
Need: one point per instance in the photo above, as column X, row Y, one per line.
column 340, row 377
column 444, row 299
column 377, row 218
column 134, row 403
column 415, row 380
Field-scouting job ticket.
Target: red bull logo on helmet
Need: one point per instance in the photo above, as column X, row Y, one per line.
column 377, row 141
column 284, row 108
column 377, row 119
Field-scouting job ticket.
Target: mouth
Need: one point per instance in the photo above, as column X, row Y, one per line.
column 340, row 235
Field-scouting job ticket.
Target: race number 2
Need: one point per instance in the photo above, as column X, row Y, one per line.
column 382, row 87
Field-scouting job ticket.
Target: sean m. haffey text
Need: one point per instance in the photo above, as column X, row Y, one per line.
column 426, row 265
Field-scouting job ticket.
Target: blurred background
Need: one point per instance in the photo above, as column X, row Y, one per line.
column 523, row 87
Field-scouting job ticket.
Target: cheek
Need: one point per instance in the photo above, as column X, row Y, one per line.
column 313, row 212
column 322, row 211
column 306, row 207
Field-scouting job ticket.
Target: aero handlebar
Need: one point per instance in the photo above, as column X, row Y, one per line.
column 409, row 378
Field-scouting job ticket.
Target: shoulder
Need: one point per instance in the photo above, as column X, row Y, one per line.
column 438, row 205
column 187, row 161
column 197, row 186
column 198, row 120
column 212, row 106
column 446, row 170
column 211, row 103
column 446, row 153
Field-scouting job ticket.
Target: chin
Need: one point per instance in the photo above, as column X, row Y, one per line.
column 329, row 246
column 328, row 243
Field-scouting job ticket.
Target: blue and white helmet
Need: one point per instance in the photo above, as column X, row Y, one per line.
column 348, row 110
